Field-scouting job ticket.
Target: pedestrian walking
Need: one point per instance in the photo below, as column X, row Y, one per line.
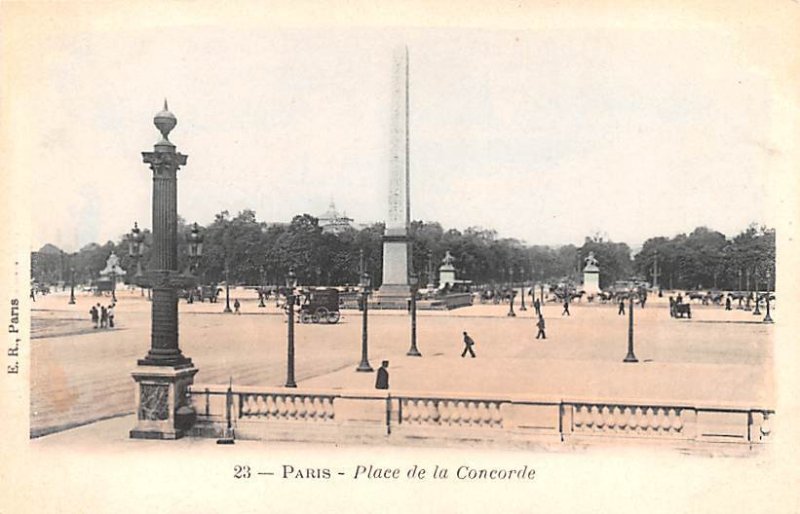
column 537, row 305
column 111, row 315
column 643, row 299
column 621, row 311
column 540, row 326
column 468, row 344
column 728, row 303
column 382, row 379
column 236, row 306
column 103, row 317
column 95, row 315
column 566, row 308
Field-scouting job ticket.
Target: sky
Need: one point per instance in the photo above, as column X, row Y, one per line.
column 545, row 135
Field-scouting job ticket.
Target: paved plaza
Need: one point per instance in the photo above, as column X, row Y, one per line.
column 81, row 375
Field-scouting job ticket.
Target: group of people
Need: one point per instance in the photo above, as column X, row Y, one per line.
column 102, row 316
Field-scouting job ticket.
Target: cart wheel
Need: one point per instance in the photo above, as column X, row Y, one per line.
column 305, row 317
column 321, row 315
column 333, row 317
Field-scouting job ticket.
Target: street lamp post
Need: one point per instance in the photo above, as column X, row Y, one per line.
column 227, row 289
column 135, row 247
column 655, row 270
column 747, row 288
column 113, row 285
column 261, row 286
column 291, row 283
column 630, row 357
column 71, row 285
column 512, row 294
column 414, row 351
column 768, row 318
column 431, row 280
column 757, row 310
column 164, row 375
column 365, row 286
column 541, row 290
column 195, row 240
column 522, row 291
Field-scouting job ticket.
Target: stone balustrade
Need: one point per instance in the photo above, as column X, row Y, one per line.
column 450, row 412
column 286, row 407
column 259, row 412
column 626, row 419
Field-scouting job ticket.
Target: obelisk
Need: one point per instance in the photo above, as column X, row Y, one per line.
column 395, row 290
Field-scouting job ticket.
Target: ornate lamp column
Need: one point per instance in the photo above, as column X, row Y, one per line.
column 630, row 357
column 365, row 286
column 511, row 294
column 768, row 317
column 541, row 289
column 195, row 240
column 414, row 351
column 72, row 286
column 291, row 283
column 261, row 287
column 757, row 310
column 164, row 374
column 522, row 290
column 135, row 250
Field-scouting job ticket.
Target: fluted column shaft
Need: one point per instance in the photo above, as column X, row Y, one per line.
column 164, row 348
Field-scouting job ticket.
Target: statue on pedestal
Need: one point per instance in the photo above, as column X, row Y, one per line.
column 447, row 272
column 591, row 263
column 591, row 275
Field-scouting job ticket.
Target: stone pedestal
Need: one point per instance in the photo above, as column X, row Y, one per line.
column 395, row 291
column 447, row 277
column 163, row 410
column 591, row 281
column 392, row 296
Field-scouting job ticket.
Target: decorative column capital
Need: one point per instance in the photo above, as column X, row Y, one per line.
column 163, row 162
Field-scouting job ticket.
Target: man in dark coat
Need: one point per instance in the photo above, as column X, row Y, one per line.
column 537, row 305
column 621, row 311
column 382, row 379
column 566, row 308
column 540, row 326
column 95, row 315
column 728, row 303
column 103, row 316
column 468, row 344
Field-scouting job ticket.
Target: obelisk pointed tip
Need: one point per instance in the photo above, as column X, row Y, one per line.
column 166, row 108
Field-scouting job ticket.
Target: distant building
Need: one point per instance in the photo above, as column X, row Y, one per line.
column 331, row 221
column 47, row 265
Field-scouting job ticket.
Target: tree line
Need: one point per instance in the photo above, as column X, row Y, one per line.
column 244, row 250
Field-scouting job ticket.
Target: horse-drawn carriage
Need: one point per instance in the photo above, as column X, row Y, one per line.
column 320, row 305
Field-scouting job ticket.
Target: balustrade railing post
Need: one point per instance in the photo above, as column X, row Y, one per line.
column 388, row 414
column 399, row 411
column 227, row 437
